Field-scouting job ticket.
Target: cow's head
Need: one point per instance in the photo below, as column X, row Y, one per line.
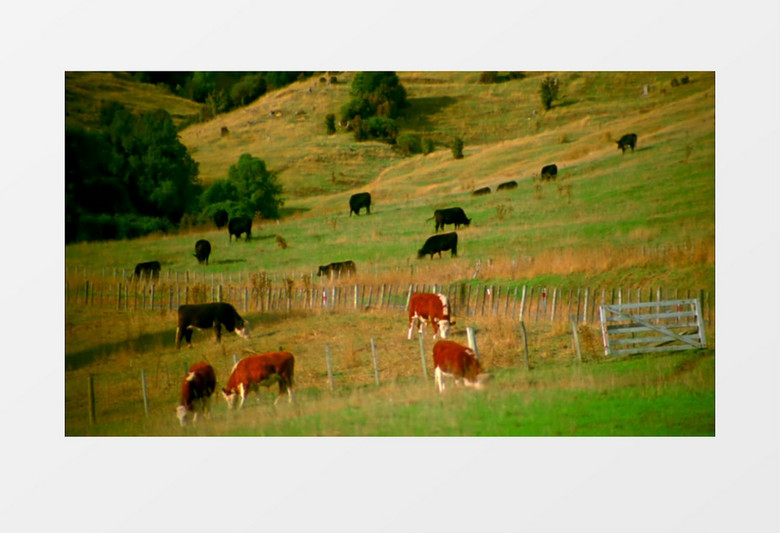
column 181, row 414
column 242, row 329
column 444, row 328
column 230, row 397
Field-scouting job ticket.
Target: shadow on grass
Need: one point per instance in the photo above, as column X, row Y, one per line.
column 166, row 340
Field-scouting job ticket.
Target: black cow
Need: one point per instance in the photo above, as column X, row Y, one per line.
column 220, row 218
column 202, row 251
column 451, row 215
column 150, row 269
column 239, row 225
column 438, row 244
column 507, row 185
column 359, row 201
column 627, row 140
column 549, row 172
column 338, row 268
column 480, row 192
column 211, row 315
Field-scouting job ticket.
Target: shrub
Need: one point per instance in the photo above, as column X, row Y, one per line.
column 548, row 91
column 488, row 77
column 330, row 123
column 428, row 146
column 457, row 148
column 409, row 143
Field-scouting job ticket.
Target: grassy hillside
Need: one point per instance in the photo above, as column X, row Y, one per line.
column 85, row 93
column 640, row 219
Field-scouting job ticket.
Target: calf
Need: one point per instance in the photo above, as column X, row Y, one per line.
column 455, row 360
column 239, row 225
column 481, row 191
column 549, row 172
column 507, row 185
column 438, row 244
column 429, row 308
column 211, row 315
column 149, row 269
column 451, row 215
column 261, row 369
column 203, row 251
column 196, row 390
column 359, row 201
column 627, row 141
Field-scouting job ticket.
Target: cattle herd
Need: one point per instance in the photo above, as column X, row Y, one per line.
column 450, row 359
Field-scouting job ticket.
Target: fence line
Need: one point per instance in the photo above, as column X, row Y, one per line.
column 529, row 303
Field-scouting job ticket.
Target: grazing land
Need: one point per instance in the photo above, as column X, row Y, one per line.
column 640, row 220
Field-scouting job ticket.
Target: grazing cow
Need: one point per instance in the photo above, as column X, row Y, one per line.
column 451, row 215
column 196, row 390
column 626, row 141
column 337, row 269
column 203, row 251
column 261, row 369
column 239, row 225
column 455, row 360
column 359, row 201
column 481, row 191
column 211, row 315
column 149, row 269
column 438, row 244
column 549, row 172
column 507, row 185
column 430, row 308
column 220, row 218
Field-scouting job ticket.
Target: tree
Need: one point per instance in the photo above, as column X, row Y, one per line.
column 375, row 94
column 457, row 148
column 256, row 189
column 548, row 90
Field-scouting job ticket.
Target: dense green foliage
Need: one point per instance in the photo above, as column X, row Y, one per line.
column 375, row 94
column 249, row 188
column 126, row 174
column 457, row 148
column 548, row 91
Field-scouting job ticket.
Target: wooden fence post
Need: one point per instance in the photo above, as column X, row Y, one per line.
column 522, row 304
column 327, row 362
column 472, row 340
column 576, row 339
column 376, row 366
column 525, row 345
column 143, row 388
column 422, row 356
column 91, row 399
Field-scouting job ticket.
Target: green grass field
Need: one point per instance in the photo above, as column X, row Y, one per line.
column 641, row 220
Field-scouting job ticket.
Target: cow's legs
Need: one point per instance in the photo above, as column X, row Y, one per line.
column 218, row 330
column 439, row 379
column 242, row 393
column 412, row 320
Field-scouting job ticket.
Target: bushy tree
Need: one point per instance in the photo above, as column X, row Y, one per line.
column 409, row 143
column 457, row 148
column 256, row 188
column 375, row 94
column 330, row 123
column 247, row 89
column 548, row 91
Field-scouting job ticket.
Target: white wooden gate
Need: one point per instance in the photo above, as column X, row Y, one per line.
column 652, row 327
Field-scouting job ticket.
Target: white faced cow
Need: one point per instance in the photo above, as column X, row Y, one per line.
column 432, row 308
column 451, row 359
column 196, row 390
column 260, row 369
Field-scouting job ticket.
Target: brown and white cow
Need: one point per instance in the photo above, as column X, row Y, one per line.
column 260, row 369
column 431, row 308
column 455, row 360
column 196, row 390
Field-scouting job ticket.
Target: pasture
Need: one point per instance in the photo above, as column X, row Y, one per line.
column 637, row 221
